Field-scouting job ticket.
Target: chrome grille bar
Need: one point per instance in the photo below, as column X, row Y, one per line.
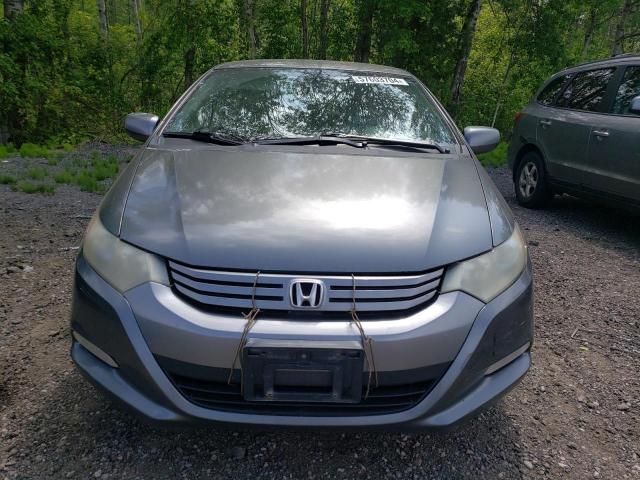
column 217, row 288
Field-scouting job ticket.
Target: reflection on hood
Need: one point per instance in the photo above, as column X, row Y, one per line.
column 283, row 211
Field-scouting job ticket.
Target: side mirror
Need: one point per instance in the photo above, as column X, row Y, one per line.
column 635, row 106
column 140, row 125
column 482, row 139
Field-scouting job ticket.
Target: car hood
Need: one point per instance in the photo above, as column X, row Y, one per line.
column 302, row 211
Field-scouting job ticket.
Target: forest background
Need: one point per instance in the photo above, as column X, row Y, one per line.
column 71, row 69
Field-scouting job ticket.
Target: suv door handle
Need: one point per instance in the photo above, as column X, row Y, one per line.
column 600, row 133
column 545, row 123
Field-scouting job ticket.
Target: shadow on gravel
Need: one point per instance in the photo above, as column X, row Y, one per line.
column 613, row 228
column 597, row 219
column 78, row 434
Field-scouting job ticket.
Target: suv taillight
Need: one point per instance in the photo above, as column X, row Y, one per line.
column 517, row 117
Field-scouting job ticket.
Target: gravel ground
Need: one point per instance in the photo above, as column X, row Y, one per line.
column 574, row 416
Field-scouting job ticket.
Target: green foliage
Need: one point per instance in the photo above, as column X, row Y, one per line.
column 495, row 158
column 30, row 150
column 86, row 181
column 36, row 173
column 32, row 187
column 91, row 175
column 66, row 176
column 7, row 179
column 419, row 39
column 6, row 150
column 103, row 169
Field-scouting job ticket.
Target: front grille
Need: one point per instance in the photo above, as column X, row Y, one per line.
column 218, row 395
column 373, row 293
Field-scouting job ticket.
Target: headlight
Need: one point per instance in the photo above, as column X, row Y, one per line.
column 488, row 275
column 120, row 264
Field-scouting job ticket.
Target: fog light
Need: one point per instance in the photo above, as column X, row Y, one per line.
column 95, row 350
column 507, row 360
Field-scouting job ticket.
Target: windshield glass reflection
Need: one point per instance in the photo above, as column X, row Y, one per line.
column 259, row 103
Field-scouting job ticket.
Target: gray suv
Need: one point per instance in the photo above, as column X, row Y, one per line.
column 581, row 135
column 304, row 243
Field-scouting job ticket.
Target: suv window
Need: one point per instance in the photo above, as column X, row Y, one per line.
column 628, row 90
column 586, row 90
column 549, row 93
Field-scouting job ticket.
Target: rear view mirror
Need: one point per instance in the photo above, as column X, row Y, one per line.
column 635, row 106
column 482, row 139
column 140, row 125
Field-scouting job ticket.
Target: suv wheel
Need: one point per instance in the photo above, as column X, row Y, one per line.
column 531, row 185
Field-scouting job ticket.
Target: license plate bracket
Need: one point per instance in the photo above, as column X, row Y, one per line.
column 302, row 371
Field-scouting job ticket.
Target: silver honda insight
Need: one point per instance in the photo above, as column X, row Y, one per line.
column 304, row 244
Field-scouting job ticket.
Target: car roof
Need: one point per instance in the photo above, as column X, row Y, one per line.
column 611, row 61
column 316, row 64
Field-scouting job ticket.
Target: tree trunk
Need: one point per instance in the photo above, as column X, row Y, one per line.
column 365, row 30
column 618, row 36
column 252, row 39
column 11, row 7
column 464, row 50
column 589, row 30
column 189, row 60
column 505, row 78
column 136, row 19
column 102, row 18
column 305, row 29
column 324, row 24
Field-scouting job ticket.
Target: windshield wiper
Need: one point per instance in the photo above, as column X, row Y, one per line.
column 390, row 142
column 356, row 141
column 202, row 135
column 317, row 140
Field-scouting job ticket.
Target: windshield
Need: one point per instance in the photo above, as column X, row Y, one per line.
column 260, row 103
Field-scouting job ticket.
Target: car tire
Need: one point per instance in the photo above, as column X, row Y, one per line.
column 531, row 183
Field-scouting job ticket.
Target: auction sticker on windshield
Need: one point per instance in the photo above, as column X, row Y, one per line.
column 379, row 80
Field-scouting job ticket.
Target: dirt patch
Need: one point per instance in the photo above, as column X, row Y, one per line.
column 576, row 415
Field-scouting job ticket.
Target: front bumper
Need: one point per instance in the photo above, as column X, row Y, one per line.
column 149, row 323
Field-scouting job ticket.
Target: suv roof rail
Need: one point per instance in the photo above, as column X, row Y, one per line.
column 612, row 57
